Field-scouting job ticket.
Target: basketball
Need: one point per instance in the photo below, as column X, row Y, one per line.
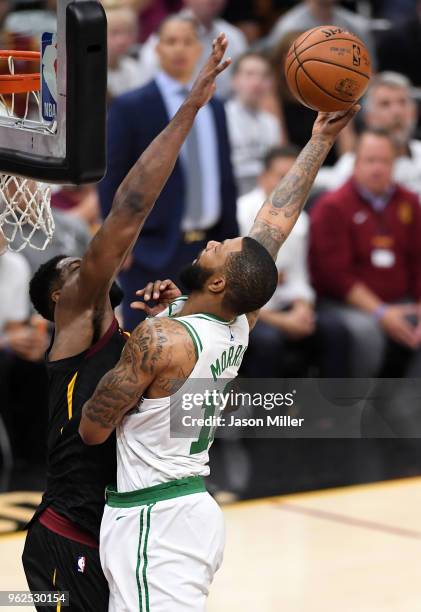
column 328, row 69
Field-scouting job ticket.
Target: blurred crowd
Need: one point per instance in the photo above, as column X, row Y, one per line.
column 348, row 303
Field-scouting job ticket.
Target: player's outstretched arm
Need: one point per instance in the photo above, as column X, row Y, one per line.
column 158, row 350
column 278, row 215
column 140, row 189
column 281, row 210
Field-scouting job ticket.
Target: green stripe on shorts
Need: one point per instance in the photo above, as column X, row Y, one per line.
column 142, row 556
column 139, row 586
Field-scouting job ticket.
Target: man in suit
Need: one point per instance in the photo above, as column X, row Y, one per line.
column 198, row 203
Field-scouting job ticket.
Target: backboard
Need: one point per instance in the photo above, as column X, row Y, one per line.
column 59, row 135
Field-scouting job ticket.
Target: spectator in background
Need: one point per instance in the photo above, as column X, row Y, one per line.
column 152, row 13
column 124, row 72
column 198, row 203
column 399, row 48
column 312, row 13
column 5, row 6
column 79, row 201
column 22, row 346
column 288, row 321
column 388, row 106
column 252, row 131
column 206, row 13
column 365, row 259
column 31, row 23
column 16, row 336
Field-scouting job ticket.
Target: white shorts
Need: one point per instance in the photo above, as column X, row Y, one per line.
column 160, row 554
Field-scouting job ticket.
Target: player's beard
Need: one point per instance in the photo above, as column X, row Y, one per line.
column 193, row 277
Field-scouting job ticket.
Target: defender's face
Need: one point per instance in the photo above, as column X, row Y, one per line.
column 215, row 255
column 67, row 268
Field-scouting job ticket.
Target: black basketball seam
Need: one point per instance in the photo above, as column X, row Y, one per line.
column 322, row 89
column 323, row 61
column 309, row 33
column 312, row 80
column 289, row 67
column 319, row 42
column 303, row 100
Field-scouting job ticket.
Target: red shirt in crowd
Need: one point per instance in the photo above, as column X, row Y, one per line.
column 351, row 243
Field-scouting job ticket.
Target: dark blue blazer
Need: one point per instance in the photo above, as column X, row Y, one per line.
column 134, row 120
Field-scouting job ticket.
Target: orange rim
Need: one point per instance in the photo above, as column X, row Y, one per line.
column 22, row 55
column 19, row 83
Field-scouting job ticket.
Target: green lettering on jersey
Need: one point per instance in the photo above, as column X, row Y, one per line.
column 230, row 355
column 240, row 359
column 237, row 354
column 224, row 361
column 216, row 369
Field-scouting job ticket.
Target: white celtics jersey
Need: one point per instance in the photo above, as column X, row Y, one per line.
column 164, row 439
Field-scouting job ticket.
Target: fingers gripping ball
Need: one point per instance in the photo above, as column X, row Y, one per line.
column 328, row 69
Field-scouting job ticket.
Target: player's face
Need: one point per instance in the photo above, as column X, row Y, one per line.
column 252, row 80
column 215, row 254
column 179, row 50
column 393, row 109
column 67, row 267
column 374, row 164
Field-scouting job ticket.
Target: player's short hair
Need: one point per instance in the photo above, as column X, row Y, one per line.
column 251, row 277
column 177, row 18
column 42, row 284
column 245, row 56
column 279, row 152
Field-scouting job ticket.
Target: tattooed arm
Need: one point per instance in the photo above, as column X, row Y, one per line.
column 159, row 356
column 279, row 213
column 140, row 189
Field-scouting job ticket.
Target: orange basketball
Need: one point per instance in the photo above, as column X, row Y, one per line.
column 328, row 68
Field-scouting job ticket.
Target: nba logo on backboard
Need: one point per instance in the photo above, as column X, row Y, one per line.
column 49, row 76
column 81, row 564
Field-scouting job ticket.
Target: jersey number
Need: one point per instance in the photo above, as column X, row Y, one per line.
column 206, row 434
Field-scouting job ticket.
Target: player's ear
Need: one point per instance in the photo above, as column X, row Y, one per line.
column 217, row 284
column 55, row 296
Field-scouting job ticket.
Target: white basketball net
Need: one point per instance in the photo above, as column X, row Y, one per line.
column 25, row 213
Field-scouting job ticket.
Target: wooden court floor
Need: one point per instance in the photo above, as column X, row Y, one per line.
column 356, row 549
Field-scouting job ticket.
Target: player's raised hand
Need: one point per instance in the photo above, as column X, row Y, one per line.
column 204, row 85
column 330, row 124
column 162, row 293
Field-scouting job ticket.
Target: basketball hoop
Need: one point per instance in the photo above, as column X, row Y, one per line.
column 25, row 211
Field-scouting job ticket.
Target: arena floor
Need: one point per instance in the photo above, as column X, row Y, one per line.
column 355, row 549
